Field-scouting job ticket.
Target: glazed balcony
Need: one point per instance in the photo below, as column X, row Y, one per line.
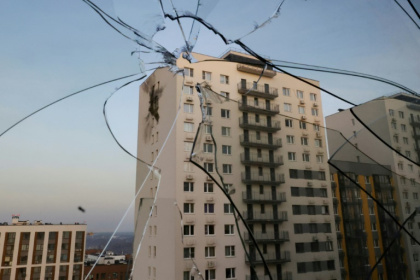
column 265, row 109
column 267, row 217
column 261, row 160
column 256, row 197
column 262, row 124
column 268, row 237
column 263, row 91
column 264, row 179
column 260, row 142
column 271, row 258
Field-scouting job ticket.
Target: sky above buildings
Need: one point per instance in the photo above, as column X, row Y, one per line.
column 65, row 157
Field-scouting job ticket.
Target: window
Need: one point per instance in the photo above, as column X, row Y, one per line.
column 208, row 148
column 296, row 210
column 290, row 139
column 294, row 191
column 415, row 195
column 324, row 210
column 302, row 125
column 301, row 267
column 208, row 129
column 229, row 251
column 312, row 96
column 208, row 187
column 401, row 114
column 301, row 110
column 209, row 111
column 225, row 131
column 373, row 226
column 226, row 149
column 293, row 173
column 314, row 246
column 229, row 229
column 288, row 122
column 186, row 276
column 286, row 91
column 314, row 112
column 189, row 252
column 287, row 107
column 209, row 208
column 188, row 186
column 394, row 125
column 416, row 257
column 225, row 94
column 189, row 230
column 311, row 208
column 299, row 94
column 188, row 108
column 395, row 137
column 188, row 167
column 405, row 195
column 188, row 146
column 189, row 72
column 330, row 265
column 304, row 141
column 225, row 113
column 206, row 75
column 319, row 158
column 391, row 112
column 188, row 90
column 400, row 166
column 230, row 273
column 208, row 167
column 305, row 157
column 405, row 140
column 408, row 154
column 291, row 156
column 188, row 127
column 228, row 208
column 189, row 208
column 224, row 79
column 210, row 274
column 410, row 166
column 298, row 228
column 210, row 252
column 227, row 168
column 300, row 247
column 316, row 127
column 318, row 143
column 209, row 229
column 403, row 127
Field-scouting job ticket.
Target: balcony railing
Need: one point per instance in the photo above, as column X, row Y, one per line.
column 263, row 91
column 260, row 108
column 270, row 258
column 263, row 160
column 260, row 142
column 286, row 276
column 262, row 124
column 265, row 217
column 265, row 179
column 265, row 197
column 268, row 236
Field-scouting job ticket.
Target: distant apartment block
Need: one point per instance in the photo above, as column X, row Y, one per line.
column 272, row 155
column 396, row 120
column 41, row 251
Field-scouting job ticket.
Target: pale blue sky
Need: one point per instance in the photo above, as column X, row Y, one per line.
column 64, row 157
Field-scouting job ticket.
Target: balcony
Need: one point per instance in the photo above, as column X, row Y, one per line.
column 262, row 124
column 265, row 160
column 263, row 91
column 270, row 258
column 264, row 179
column 266, row 197
column 256, row 70
column 268, row 237
column 286, row 276
column 266, row 109
column 260, row 142
column 256, row 217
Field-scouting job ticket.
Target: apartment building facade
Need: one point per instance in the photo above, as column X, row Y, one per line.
column 271, row 153
column 396, row 120
column 41, row 251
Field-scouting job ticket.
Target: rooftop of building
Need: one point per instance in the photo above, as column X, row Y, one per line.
column 17, row 222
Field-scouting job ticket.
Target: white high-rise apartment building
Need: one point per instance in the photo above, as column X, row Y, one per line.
column 272, row 156
column 396, row 120
column 41, row 251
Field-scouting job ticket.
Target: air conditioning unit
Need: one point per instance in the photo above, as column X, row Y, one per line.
column 189, row 177
column 329, row 237
column 303, row 117
column 209, row 198
column 317, row 120
column 190, row 242
column 190, row 119
column 323, row 185
column 208, row 178
column 315, row 104
column 190, row 98
column 311, row 202
column 325, row 201
column 208, row 101
column 208, row 138
column 321, row 168
column 189, row 198
column 304, row 133
column 211, row 264
column 309, row 184
column 210, row 241
column 314, row 238
column 209, row 159
column 188, row 81
column 318, row 134
column 302, row 101
column 189, row 220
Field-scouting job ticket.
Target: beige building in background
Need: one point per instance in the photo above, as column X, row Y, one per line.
column 272, row 153
column 41, row 251
column 396, row 120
